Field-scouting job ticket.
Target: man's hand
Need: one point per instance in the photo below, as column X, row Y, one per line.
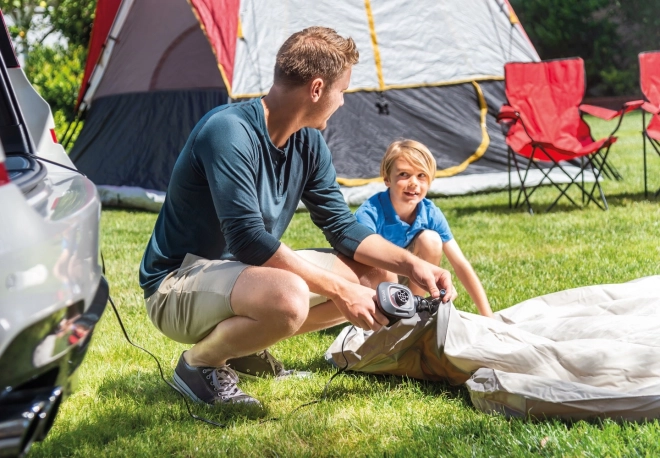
column 357, row 304
column 432, row 279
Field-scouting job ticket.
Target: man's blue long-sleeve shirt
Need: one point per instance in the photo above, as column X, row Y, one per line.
column 232, row 194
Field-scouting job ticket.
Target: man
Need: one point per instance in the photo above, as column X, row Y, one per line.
column 215, row 273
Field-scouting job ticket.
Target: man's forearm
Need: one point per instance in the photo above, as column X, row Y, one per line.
column 375, row 251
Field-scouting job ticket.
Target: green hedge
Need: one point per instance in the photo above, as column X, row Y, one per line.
column 607, row 34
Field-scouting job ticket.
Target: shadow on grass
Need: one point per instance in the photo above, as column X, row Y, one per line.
column 623, row 198
column 111, row 209
column 338, row 390
column 133, row 405
column 333, row 331
column 563, row 206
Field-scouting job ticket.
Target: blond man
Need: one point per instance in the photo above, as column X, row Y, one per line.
column 215, row 273
column 403, row 215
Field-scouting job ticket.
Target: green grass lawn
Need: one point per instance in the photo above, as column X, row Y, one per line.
column 121, row 407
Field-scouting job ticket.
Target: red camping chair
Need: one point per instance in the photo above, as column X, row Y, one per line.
column 544, row 128
column 649, row 80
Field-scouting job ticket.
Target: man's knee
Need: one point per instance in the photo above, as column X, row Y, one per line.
column 290, row 302
column 272, row 296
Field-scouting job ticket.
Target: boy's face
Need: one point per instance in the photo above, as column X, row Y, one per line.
column 408, row 184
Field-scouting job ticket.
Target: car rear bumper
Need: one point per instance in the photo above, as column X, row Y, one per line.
column 56, row 348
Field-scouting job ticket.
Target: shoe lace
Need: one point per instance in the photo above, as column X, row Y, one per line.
column 223, row 380
column 274, row 364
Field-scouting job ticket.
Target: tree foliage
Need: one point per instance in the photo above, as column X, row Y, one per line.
column 34, row 20
column 607, row 34
column 55, row 72
column 73, row 19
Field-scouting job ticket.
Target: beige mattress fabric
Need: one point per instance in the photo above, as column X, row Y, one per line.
column 581, row 353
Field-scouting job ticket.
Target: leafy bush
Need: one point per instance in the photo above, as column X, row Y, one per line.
column 607, row 34
column 56, row 73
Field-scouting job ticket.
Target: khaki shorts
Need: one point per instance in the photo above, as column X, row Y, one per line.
column 192, row 300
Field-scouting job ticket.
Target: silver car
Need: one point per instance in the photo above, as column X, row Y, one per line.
column 52, row 291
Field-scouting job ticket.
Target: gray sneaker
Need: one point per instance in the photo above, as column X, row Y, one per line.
column 210, row 385
column 263, row 364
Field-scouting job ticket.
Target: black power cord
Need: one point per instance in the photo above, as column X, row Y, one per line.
column 341, row 370
column 324, row 394
column 39, row 158
column 203, row 419
column 160, row 369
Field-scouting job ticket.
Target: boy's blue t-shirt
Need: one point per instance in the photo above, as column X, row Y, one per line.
column 378, row 214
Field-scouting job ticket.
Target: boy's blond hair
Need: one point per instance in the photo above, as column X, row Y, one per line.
column 314, row 52
column 412, row 151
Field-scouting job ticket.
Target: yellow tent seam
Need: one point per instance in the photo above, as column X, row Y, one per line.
column 374, row 44
column 400, row 86
column 485, row 139
column 217, row 60
column 451, row 171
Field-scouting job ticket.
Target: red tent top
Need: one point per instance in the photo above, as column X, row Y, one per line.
column 218, row 19
column 106, row 10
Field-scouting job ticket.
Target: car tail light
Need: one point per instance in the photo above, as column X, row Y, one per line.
column 53, row 135
column 4, row 176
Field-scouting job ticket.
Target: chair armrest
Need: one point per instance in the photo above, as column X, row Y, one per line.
column 607, row 114
column 632, row 105
column 507, row 114
column 648, row 106
column 599, row 112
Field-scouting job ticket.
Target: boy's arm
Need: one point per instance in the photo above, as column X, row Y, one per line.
column 377, row 252
column 467, row 276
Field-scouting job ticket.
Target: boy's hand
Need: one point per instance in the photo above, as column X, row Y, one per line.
column 432, row 279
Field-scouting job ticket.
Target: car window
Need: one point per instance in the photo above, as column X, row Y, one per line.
column 13, row 130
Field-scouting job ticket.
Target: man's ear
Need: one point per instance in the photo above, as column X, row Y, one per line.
column 316, row 89
column 386, row 180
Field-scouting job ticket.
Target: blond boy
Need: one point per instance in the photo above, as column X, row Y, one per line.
column 404, row 216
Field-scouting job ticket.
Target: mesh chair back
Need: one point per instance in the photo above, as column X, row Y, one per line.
column 649, row 80
column 547, row 96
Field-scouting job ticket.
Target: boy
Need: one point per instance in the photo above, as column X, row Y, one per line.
column 404, row 216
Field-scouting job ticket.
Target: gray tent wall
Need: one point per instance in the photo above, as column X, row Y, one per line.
column 162, row 77
column 446, row 118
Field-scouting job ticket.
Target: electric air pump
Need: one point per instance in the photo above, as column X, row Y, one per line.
column 396, row 301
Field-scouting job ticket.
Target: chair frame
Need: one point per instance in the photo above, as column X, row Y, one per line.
column 596, row 161
column 653, row 110
column 577, row 180
column 656, row 146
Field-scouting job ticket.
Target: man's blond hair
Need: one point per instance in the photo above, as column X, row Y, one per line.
column 314, row 52
column 417, row 154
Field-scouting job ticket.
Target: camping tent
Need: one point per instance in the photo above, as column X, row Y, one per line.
column 431, row 71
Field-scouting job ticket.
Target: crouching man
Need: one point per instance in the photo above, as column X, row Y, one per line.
column 215, row 273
